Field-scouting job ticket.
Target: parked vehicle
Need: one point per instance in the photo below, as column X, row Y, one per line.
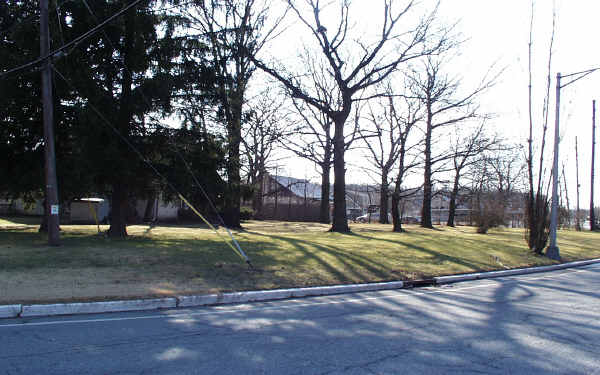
column 374, row 218
column 411, row 220
column 353, row 213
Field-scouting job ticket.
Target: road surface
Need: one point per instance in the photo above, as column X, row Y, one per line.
column 540, row 323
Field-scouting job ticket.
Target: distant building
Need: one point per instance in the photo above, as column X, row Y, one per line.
column 289, row 198
column 88, row 210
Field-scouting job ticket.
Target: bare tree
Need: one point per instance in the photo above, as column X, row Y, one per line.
column 465, row 149
column 261, row 130
column 444, row 106
column 508, row 172
column 407, row 120
column 508, row 168
column 391, row 119
column 567, row 216
column 234, row 30
column 354, row 65
column 486, row 208
column 382, row 140
column 496, row 179
column 311, row 138
column 537, row 206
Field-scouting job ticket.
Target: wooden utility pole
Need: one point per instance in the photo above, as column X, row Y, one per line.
column 577, row 214
column 592, row 216
column 52, row 209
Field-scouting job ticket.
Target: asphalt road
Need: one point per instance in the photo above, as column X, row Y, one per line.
column 541, row 323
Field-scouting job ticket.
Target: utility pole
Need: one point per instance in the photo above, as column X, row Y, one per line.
column 52, row 209
column 577, row 223
column 592, row 216
column 552, row 251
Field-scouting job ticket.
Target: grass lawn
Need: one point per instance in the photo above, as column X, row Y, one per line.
column 167, row 260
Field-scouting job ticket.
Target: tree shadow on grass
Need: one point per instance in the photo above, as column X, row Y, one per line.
column 209, row 261
column 352, row 267
column 23, row 220
column 16, row 228
column 437, row 257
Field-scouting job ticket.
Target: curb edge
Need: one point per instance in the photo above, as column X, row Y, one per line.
column 40, row 310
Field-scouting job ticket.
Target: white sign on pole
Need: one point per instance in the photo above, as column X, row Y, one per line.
column 54, row 209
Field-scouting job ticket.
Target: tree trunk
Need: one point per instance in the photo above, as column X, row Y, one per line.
column 232, row 201
column 118, row 213
column 426, row 208
column 340, row 217
column 44, row 224
column 452, row 207
column 325, row 188
column 383, row 201
column 257, row 200
column 396, row 219
column 149, row 213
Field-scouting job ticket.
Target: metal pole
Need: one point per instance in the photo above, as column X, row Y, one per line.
column 592, row 215
column 552, row 251
column 52, row 209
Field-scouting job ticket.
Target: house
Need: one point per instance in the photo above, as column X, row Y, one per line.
column 290, row 188
column 289, row 198
column 89, row 210
column 21, row 207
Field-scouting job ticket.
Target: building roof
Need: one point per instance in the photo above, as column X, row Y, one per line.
column 300, row 187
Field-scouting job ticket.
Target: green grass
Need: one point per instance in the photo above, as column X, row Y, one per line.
column 193, row 259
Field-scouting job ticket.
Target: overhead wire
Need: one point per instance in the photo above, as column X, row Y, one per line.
column 55, row 6
column 237, row 249
column 188, row 168
column 74, row 43
column 60, row 51
column 581, row 75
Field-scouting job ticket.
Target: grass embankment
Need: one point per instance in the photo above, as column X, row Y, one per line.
column 167, row 260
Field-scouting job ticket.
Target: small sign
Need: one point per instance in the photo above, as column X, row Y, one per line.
column 54, row 209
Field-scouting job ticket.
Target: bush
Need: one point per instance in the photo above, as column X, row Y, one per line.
column 489, row 212
column 246, row 213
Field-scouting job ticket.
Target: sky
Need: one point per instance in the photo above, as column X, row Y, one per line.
column 500, row 30
column 496, row 34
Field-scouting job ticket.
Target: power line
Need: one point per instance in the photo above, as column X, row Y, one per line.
column 27, row 20
column 17, row 23
column 59, row 52
column 582, row 72
column 158, row 123
column 237, row 249
column 581, row 75
column 74, row 43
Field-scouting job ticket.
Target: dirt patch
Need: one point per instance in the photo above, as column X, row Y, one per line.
column 91, row 284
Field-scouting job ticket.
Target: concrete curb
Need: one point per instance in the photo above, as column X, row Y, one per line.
column 18, row 311
column 271, row 295
column 97, row 307
column 10, row 311
column 512, row 272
